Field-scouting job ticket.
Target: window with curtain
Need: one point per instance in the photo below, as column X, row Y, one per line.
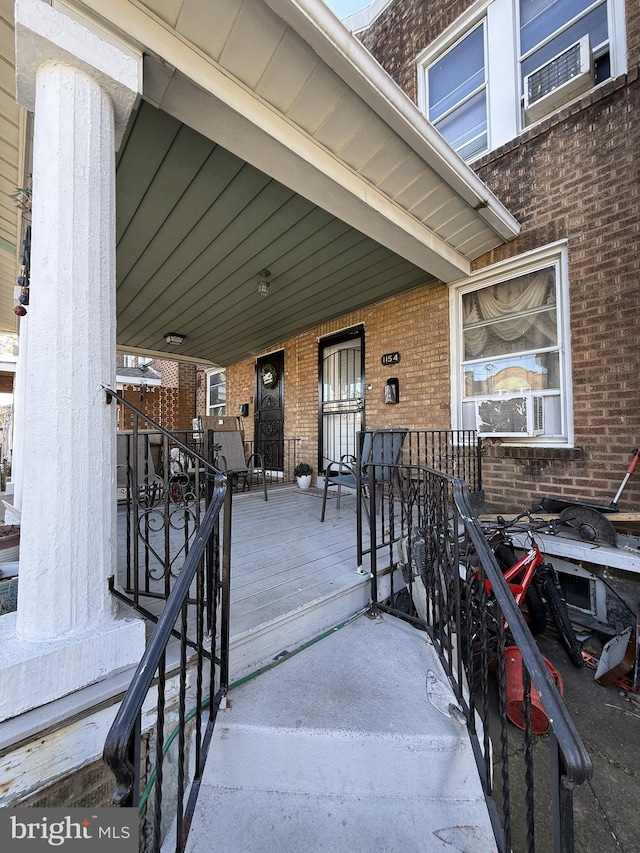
column 216, row 393
column 511, row 347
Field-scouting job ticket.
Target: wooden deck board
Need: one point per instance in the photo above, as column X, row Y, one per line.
column 283, row 558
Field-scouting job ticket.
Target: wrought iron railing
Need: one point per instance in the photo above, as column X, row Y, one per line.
column 183, row 674
column 173, row 500
column 423, row 523
column 162, row 487
column 280, row 458
column 457, row 453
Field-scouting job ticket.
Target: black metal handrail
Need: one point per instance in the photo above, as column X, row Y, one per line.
column 427, row 527
column 124, row 744
column 457, row 453
column 280, row 457
column 162, row 484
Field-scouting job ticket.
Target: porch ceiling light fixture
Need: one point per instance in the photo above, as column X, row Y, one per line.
column 263, row 285
column 174, row 338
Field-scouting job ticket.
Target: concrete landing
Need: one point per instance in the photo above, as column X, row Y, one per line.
column 351, row 745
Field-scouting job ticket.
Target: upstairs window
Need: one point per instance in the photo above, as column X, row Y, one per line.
column 548, row 27
column 135, row 360
column 458, row 97
column 505, row 64
column 564, row 51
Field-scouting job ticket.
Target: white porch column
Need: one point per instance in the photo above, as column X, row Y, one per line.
column 68, row 512
column 82, row 88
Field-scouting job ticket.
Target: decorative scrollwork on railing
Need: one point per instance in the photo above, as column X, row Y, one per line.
column 167, row 516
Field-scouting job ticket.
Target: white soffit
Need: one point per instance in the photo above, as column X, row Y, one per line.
column 285, row 86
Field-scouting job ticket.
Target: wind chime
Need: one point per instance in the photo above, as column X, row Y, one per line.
column 23, row 278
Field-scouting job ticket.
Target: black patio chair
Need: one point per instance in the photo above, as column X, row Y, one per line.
column 231, row 459
column 148, row 486
column 380, row 450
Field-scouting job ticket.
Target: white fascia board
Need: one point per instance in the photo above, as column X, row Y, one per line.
column 345, row 55
column 122, row 379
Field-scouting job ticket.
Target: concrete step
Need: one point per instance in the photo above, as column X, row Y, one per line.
column 262, row 644
column 354, row 744
column 273, row 639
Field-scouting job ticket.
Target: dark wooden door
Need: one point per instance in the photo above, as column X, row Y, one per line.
column 269, row 410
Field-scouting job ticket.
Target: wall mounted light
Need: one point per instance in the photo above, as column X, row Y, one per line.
column 174, row 338
column 263, row 285
column 392, row 391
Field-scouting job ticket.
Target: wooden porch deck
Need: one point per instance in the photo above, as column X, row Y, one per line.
column 292, row 577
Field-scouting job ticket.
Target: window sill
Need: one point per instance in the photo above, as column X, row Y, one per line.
column 600, row 92
column 510, row 451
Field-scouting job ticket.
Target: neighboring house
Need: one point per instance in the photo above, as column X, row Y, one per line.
column 283, row 210
column 164, row 389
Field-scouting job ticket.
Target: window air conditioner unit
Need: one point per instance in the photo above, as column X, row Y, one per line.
column 558, row 81
column 512, row 415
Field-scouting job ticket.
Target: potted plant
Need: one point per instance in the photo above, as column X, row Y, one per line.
column 303, row 472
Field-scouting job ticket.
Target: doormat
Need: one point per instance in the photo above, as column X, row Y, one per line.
column 314, row 490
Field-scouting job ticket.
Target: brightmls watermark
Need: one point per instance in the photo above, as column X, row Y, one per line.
column 33, row 830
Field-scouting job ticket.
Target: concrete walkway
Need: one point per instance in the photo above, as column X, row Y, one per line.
column 350, row 745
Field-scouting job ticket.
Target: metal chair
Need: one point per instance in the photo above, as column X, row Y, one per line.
column 141, row 465
column 380, row 450
column 231, row 459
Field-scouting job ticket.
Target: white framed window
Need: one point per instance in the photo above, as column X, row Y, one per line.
column 135, row 360
column 216, row 393
column 511, row 366
column 505, row 64
column 549, row 27
column 457, row 94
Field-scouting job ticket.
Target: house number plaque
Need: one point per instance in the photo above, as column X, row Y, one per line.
column 390, row 358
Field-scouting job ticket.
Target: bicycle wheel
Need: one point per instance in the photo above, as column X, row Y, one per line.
column 558, row 608
column 536, row 609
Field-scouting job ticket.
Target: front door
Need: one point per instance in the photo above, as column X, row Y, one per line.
column 341, row 394
column 269, row 410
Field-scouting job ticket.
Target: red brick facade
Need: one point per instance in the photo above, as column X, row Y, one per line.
column 414, row 324
column 172, row 408
column 571, row 177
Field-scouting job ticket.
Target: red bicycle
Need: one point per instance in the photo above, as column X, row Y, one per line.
column 532, row 580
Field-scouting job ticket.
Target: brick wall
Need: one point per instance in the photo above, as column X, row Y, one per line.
column 169, row 372
column 414, row 324
column 172, row 408
column 573, row 176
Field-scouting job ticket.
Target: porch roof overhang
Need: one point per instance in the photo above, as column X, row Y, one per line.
column 269, row 139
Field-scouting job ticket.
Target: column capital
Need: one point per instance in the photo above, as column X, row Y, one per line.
column 45, row 35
